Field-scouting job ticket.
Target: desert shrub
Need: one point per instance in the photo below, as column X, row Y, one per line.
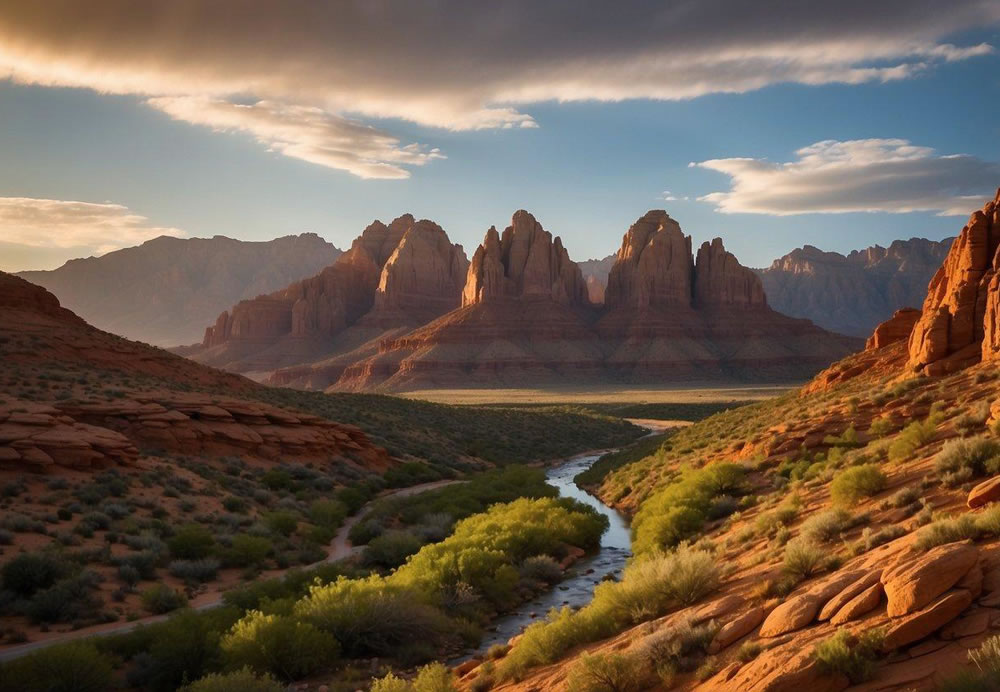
column 984, row 677
column 826, row 526
column 947, row 531
column 973, row 420
column 606, row 673
column 195, row 570
column 279, row 645
column 880, row 427
column 67, row 600
column 678, row 648
column 905, row 497
column 191, row 542
column 244, row 680
column 852, row 484
column 854, row 657
column 72, row 667
column 161, row 599
column 804, row 558
column 391, row 549
column 282, row 522
column 29, row 572
column 748, row 651
column 871, row 539
column 434, row 677
column 328, row 513
column 968, row 458
column 541, row 568
column 365, row 531
column 913, row 437
column 247, row 551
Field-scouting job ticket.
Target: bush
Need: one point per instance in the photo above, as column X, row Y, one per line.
column 391, row 549
column 279, row 645
column 328, row 513
column 606, row 673
column 434, row 677
column 851, row 485
column 947, row 531
column 541, row 568
column 854, row 657
column 970, row 458
column 191, row 542
column 986, row 675
column 914, row 436
column 161, row 599
column 29, row 572
column 804, row 558
column 283, row 523
column 243, row 680
column 68, row 600
column 195, row 570
column 73, row 667
column 678, row 648
column 826, row 526
column 247, row 551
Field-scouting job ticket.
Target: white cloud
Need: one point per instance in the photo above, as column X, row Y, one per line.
column 304, row 133
column 462, row 65
column 54, row 223
column 668, row 196
column 863, row 175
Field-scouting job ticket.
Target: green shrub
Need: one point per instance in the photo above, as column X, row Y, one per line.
column 28, row 572
column 247, row 551
column 72, row 667
column 283, row 523
column 328, row 513
column 435, row 677
column 851, row 485
column 968, row 458
column 279, row 645
column 191, row 542
column 68, row 600
column 947, row 531
column 606, row 673
column 678, row 648
column 804, row 558
column 913, row 437
column 880, row 427
column 244, row 680
column 985, row 677
column 541, row 568
column 161, row 599
column 854, row 657
column 195, row 570
column 826, row 526
column 391, row 549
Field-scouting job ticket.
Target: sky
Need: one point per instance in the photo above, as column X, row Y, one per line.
column 769, row 124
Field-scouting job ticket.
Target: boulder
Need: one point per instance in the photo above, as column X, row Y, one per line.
column 847, row 594
column 793, row 614
column 984, row 493
column 863, row 603
column 736, row 629
column 915, row 581
column 896, row 328
column 921, row 623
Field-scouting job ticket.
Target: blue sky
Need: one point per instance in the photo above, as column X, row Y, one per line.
column 586, row 168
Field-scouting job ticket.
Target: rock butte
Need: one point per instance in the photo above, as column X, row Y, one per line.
column 522, row 312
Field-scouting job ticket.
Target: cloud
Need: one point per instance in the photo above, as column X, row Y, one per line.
column 53, row 223
column 461, row 65
column 304, row 133
column 887, row 175
column 668, row 196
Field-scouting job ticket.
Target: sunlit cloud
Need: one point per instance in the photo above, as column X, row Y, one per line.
column 864, row 175
column 54, row 223
column 321, row 68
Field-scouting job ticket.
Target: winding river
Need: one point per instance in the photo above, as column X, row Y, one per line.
column 577, row 589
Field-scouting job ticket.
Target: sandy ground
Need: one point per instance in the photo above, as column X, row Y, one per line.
column 601, row 395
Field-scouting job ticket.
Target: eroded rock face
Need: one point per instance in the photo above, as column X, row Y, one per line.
column 654, row 266
column 913, row 583
column 896, row 328
column 524, row 262
column 959, row 310
column 720, row 279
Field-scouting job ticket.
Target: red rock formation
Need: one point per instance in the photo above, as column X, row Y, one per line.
column 959, row 309
column 403, row 274
column 654, row 266
column 720, row 279
column 896, row 328
column 524, row 263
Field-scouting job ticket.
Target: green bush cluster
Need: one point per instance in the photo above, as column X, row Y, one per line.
column 855, row 483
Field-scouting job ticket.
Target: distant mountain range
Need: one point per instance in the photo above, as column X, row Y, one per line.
column 166, row 290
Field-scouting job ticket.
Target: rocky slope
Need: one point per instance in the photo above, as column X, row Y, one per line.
column 527, row 318
column 117, row 397
column 164, row 291
column 852, row 294
column 393, row 279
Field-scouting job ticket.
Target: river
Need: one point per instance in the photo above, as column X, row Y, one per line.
column 577, row 589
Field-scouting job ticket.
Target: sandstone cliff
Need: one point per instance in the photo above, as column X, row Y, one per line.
column 595, row 273
column 852, row 294
column 958, row 324
column 166, row 290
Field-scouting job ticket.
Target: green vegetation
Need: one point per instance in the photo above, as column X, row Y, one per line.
column 966, row 526
column 913, row 437
column 445, row 436
column 679, row 510
column 804, row 558
column 964, row 459
column 854, row 657
column 986, row 674
column 855, row 483
column 434, row 677
column 606, row 673
column 278, row 645
column 649, row 588
column 647, row 446
column 243, row 680
column 73, row 667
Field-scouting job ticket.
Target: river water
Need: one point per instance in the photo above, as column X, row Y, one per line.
column 577, row 589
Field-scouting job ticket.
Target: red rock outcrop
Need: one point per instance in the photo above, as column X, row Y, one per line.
column 896, row 328
column 654, row 266
column 962, row 301
column 525, row 262
column 720, row 279
column 403, row 274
